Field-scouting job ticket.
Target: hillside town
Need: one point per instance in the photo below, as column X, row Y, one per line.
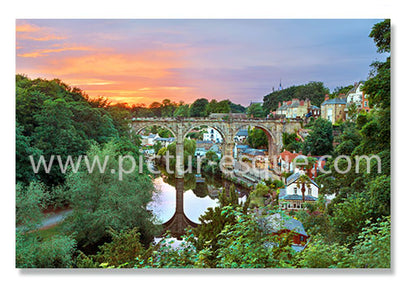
column 190, row 174
column 338, row 109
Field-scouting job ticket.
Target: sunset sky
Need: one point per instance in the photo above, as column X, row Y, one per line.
column 141, row 61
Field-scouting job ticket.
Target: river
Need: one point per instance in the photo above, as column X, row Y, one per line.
column 178, row 203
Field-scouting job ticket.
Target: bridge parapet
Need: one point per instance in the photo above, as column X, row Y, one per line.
column 228, row 128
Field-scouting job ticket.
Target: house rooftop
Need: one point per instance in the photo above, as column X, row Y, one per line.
column 242, row 146
column 354, row 89
column 254, row 152
column 294, row 177
column 297, row 197
column 277, row 222
column 335, row 101
column 165, row 139
column 204, row 142
column 242, row 132
column 289, row 156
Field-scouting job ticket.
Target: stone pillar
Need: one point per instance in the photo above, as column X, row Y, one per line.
column 271, row 152
column 179, row 166
column 179, row 186
column 227, row 153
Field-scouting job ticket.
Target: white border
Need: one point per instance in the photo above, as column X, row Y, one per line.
column 211, row 9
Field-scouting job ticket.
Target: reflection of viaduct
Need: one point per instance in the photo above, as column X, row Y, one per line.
column 179, row 221
column 180, row 127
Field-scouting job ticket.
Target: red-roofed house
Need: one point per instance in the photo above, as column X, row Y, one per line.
column 285, row 161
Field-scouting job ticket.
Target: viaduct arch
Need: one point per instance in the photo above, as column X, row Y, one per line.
column 180, row 127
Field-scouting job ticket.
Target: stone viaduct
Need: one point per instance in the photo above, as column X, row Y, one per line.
column 228, row 128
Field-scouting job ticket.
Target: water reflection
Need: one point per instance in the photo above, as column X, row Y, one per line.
column 178, row 203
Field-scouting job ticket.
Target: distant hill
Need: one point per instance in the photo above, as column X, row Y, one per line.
column 236, row 108
column 314, row 91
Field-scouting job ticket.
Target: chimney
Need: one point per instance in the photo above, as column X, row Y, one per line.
column 326, row 97
column 279, row 105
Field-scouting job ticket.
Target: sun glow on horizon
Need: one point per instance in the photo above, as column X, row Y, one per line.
column 142, row 61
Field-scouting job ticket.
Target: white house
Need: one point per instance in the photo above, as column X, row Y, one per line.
column 286, row 161
column 200, row 151
column 164, row 141
column 355, row 95
column 149, row 140
column 241, row 136
column 291, row 196
column 212, row 135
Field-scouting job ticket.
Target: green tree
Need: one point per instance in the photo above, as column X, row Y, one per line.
column 255, row 111
column 155, row 108
column 24, row 171
column 348, row 219
column 189, row 151
column 341, row 91
column 168, row 108
column 236, row 108
column 373, row 249
column 219, row 107
column 376, row 131
column 257, row 138
column 122, row 251
column 182, row 111
column 258, row 195
column 291, row 142
column 247, row 243
column 29, row 205
column 199, row 108
column 206, row 235
column 100, row 200
column 33, row 251
column 320, row 139
column 302, row 183
column 321, row 254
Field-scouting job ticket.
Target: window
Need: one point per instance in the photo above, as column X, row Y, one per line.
column 329, row 114
column 310, row 191
column 365, row 103
column 295, row 190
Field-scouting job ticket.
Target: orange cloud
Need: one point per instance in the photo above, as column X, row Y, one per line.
column 142, row 67
column 42, row 38
column 32, row 32
column 45, row 52
column 143, row 77
column 27, row 28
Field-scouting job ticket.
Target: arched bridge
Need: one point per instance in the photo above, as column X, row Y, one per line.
column 228, row 128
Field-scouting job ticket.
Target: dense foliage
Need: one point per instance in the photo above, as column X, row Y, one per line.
column 199, row 108
column 314, row 91
column 57, row 121
column 320, row 139
column 359, row 214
